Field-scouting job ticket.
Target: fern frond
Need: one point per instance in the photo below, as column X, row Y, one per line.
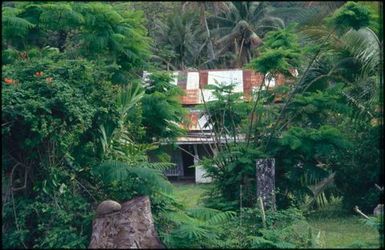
column 116, row 171
column 14, row 26
column 210, row 215
column 221, row 218
column 162, row 166
column 191, row 231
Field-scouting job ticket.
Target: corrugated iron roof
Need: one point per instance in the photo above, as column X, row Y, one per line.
column 193, row 82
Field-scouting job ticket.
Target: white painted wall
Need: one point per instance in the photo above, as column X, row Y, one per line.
column 199, row 172
column 192, row 80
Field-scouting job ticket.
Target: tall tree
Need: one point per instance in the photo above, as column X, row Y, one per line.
column 202, row 7
column 181, row 37
column 241, row 29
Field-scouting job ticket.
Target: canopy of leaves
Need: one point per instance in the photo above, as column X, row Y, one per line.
column 162, row 111
column 351, row 15
column 279, row 53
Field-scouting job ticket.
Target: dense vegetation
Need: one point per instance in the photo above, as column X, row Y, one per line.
column 77, row 121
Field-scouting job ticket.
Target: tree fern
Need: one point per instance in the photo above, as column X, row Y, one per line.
column 115, row 171
column 14, row 27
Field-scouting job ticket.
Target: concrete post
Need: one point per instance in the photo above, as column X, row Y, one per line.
column 265, row 176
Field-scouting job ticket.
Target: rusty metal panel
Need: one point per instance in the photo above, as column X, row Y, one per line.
column 194, row 116
column 182, row 79
column 191, row 96
column 280, row 79
column 256, row 79
column 203, row 78
column 251, row 79
column 192, row 121
column 247, row 84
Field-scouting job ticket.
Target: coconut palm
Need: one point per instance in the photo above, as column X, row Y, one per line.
column 180, row 41
column 202, row 7
column 241, row 28
column 306, row 13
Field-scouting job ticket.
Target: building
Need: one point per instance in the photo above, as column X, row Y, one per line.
column 198, row 141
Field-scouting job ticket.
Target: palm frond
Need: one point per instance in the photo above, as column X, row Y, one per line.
column 365, row 46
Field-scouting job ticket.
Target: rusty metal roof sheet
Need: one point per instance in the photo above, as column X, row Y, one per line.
column 194, row 82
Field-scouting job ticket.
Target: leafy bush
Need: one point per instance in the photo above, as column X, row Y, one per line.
column 357, row 176
column 241, row 170
column 162, row 110
column 47, row 113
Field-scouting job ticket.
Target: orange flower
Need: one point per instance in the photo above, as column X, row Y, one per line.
column 49, row 79
column 9, row 81
column 39, row 73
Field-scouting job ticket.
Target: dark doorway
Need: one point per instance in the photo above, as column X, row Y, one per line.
column 188, row 161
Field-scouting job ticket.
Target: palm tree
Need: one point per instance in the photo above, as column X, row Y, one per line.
column 180, row 39
column 203, row 7
column 306, row 13
column 241, row 28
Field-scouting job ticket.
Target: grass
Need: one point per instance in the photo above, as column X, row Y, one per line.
column 347, row 232
column 338, row 229
column 190, row 194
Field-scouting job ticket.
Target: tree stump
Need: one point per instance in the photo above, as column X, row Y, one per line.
column 266, row 181
column 130, row 227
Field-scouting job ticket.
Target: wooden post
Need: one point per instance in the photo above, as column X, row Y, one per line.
column 196, row 156
column 265, row 176
column 260, row 203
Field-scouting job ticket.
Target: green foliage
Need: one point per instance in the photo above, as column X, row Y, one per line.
column 228, row 111
column 123, row 181
column 299, row 139
column 49, row 113
column 77, row 127
column 309, row 147
column 14, row 27
column 180, row 41
column 63, row 117
column 162, row 110
column 195, row 227
column 239, row 30
column 239, row 169
column 279, row 52
column 351, row 15
column 351, row 57
column 285, row 229
column 273, row 60
column 118, row 38
column 64, row 107
column 366, row 162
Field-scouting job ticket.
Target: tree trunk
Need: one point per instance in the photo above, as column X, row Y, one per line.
column 130, row 227
column 266, row 182
column 61, row 40
column 210, row 48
